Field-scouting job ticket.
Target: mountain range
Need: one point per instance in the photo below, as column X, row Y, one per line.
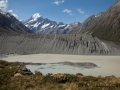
column 99, row 34
column 41, row 25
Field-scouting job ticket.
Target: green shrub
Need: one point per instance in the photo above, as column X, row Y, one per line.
column 38, row 73
column 4, row 63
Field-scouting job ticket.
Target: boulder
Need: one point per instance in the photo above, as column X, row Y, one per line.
column 17, row 75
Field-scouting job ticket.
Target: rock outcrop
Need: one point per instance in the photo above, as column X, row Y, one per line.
column 56, row 44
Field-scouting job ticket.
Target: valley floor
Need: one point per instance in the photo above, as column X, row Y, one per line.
column 107, row 65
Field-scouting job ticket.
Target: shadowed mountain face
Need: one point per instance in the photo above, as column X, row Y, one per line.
column 105, row 25
column 8, row 23
column 56, row 44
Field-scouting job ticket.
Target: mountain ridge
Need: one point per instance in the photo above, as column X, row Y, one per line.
column 72, row 44
column 105, row 27
column 42, row 25
column 8, row 23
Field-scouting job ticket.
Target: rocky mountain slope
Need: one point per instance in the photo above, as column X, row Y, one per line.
column 41, row 25
column 8, row 23
column 56, row 44
column 105, row 25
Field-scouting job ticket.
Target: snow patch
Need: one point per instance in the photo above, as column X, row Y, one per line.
column 8, row 16
column 35, row 17
column 26, row 25
column 61, row 25
column 67, row 26
column 76, row 23
column 5, row 13
column 36, row 24
column 52, row 26
column 2, row 12
column 45, row 25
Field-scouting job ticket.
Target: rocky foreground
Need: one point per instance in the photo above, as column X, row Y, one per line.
column 76, row 44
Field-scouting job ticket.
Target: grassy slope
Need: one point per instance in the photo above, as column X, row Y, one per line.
column 3, row 30
column 108, row 30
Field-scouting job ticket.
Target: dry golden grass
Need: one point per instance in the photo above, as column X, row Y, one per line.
column 84, row 83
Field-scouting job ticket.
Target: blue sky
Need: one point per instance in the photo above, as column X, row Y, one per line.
column 67, row 11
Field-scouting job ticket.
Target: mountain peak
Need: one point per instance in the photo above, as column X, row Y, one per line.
column 76, row 23
column 36, row 16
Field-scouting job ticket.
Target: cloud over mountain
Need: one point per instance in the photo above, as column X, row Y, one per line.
column 11, row 11
column 4, row 7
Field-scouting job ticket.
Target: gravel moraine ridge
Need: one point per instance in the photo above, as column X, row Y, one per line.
column 75, row 44
column 74, row 64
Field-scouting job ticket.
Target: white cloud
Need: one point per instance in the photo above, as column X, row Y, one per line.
column 58, row 2
column 68, row 11
column 3, row 4
column 10, row 11
column 80, row 11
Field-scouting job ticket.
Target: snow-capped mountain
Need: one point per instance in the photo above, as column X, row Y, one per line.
column 41, row 25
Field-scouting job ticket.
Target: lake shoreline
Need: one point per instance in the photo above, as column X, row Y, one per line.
column 109, row 65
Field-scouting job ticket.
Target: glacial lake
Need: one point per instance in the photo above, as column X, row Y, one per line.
column 56, row 68
column 107, row 65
